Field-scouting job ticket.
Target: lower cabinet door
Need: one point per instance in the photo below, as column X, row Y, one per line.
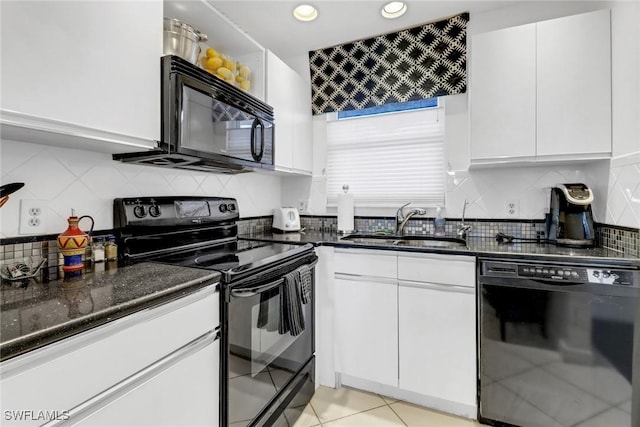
column 186, row 393
column 437, row 341
column 366, row 328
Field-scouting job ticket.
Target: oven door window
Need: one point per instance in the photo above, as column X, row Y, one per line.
column 213, row 127
column 262, row 356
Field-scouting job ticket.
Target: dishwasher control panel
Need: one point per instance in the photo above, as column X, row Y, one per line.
column 560, row 273
column 569, row 274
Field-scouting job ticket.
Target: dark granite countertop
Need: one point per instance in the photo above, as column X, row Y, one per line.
column 35, row 314
column 476, row 246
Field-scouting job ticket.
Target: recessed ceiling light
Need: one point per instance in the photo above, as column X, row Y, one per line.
column 394, row 9
column 305, row 12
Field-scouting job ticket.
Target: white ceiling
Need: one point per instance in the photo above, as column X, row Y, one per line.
column 271, row 23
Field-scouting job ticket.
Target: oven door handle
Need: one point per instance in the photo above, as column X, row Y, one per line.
column 250, row 292
column 253, row 291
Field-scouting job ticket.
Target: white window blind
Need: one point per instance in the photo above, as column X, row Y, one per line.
column 388, row 160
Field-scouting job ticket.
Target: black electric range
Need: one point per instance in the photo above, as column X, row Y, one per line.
column 267, row 299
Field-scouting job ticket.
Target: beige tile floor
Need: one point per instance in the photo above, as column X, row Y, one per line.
column 347, row 407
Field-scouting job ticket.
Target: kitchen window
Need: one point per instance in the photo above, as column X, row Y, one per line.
column 388, row 159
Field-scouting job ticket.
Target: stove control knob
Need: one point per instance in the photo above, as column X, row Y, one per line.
column 139, row 211
column 154, row 211
column 231, row 206
column 223, row 208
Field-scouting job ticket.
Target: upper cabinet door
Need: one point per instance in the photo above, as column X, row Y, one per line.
column 303, row 127
column 280, row 95
column 290, row 96
column 92, row 65
column 574, row 84
column 503, row 93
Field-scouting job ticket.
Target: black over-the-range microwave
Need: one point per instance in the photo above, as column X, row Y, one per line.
column 208, row 124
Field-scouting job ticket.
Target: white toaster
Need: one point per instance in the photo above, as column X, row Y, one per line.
column 286, row 219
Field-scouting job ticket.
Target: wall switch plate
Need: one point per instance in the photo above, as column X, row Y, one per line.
column 302, row 205
column 513, row 209
column 33, row 216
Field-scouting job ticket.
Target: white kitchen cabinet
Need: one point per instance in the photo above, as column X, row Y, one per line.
column 367, row 328
column 542, row 92
column 184, row 393
column 87, row 72
column 366, row 315
column 290, row 96
column 574, row 85
column 405, row 326
column 437, row 327
column 503, row 94
column 86, row 372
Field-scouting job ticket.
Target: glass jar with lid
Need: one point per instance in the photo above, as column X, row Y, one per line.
column 111, row 249
column 97, row 250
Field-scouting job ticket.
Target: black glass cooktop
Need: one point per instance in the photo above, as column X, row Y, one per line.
column 235, row 258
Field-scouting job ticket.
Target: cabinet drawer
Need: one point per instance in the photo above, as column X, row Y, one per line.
column 441, row 269
column 366, row 263
column 66, row 373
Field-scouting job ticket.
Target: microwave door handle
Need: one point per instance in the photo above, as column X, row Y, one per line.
column 261, row 140
column 254, row 126
column 253, row 139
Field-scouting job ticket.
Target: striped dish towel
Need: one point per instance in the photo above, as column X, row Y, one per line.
column 291, row 315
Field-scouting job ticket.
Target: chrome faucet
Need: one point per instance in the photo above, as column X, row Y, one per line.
column 401, row 219
column 464, row 228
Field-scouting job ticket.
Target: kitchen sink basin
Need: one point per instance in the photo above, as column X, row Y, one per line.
column 432, row 242
column 371, row 240
column 407, row 241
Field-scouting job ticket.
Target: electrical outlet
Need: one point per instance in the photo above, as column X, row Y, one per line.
column 32, row 216
column 513, row 209
column 302, row 205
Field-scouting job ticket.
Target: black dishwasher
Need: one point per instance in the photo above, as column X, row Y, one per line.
column 558, row 344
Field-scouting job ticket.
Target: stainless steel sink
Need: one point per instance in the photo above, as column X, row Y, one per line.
column 432, row 242
column 411, row 241
column 372, row 239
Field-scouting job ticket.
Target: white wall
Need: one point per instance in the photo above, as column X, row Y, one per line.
column 616, row 185
column 88, row 182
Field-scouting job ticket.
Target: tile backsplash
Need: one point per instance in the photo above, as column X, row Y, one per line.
column 620, row 239
column 89, row 181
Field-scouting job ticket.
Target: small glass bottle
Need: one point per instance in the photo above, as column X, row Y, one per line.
column 439, row 223
column 111, row 249
column 97, row 250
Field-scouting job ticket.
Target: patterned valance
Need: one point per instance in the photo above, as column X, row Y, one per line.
column 416, row 63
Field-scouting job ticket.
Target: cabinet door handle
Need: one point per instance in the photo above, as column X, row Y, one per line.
column 126, row 385
column 361, row 278
column 437, row 287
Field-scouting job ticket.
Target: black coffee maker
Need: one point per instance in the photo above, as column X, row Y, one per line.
column 570, row 220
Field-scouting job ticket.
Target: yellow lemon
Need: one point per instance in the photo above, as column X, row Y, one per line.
column 239, row 79
column 229, row 64
column 245, row 85
column 244, row 71
column 225, row 73
column 213, row 63
column 211, row 53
